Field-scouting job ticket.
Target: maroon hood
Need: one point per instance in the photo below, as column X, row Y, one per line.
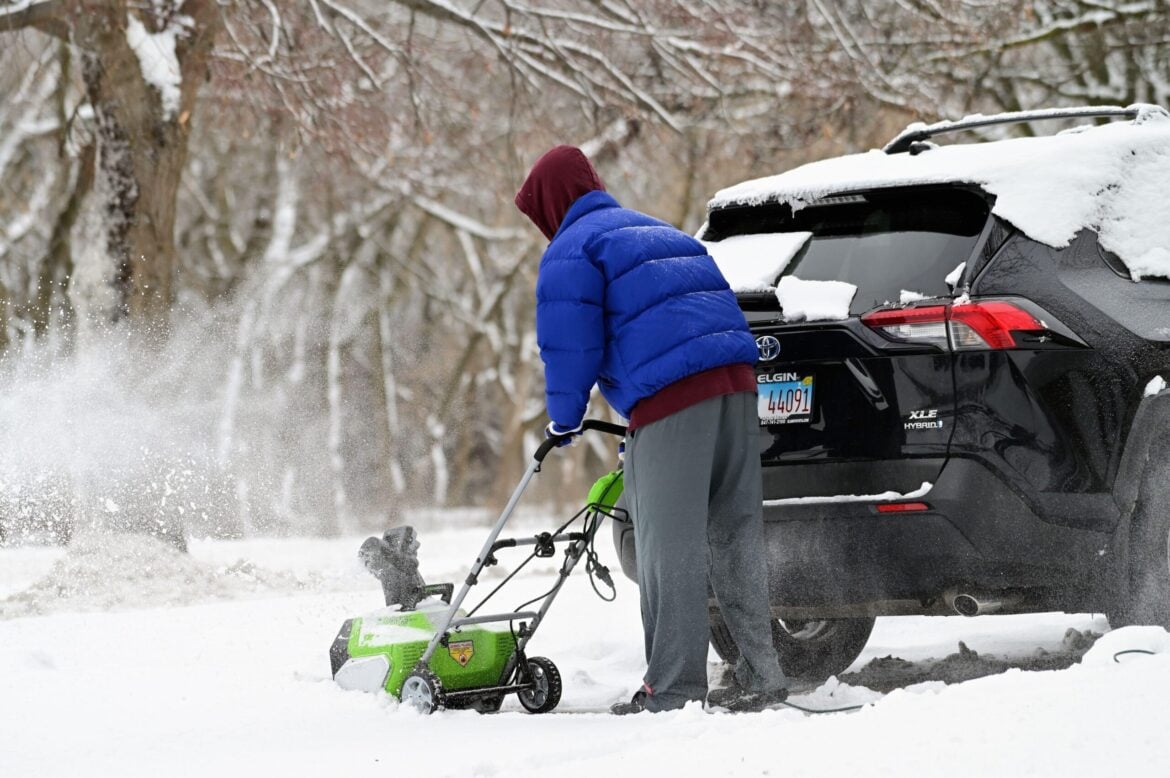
column 556, row 181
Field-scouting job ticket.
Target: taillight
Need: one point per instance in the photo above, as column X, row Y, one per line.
column 987, row 325
column 902, row 507
column 927, row 324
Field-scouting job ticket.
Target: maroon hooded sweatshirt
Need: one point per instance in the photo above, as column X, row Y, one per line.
column 557, row 179
column 555, row 182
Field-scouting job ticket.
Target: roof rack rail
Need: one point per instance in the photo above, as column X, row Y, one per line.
column 909, row 138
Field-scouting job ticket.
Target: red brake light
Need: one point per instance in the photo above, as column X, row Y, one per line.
column 902, row 507
column 926, row 324
column 994, row 321
column 886, row 318
column 969, row 326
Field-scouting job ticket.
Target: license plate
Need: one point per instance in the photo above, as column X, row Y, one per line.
column 786, row 402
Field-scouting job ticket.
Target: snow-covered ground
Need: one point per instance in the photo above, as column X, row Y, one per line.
column 216, row 664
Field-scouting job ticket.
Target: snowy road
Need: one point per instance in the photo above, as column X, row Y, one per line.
column 240, row 685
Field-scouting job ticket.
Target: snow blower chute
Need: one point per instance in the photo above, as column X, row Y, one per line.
column 429, row 652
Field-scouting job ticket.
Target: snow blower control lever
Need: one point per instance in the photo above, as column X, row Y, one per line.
column 450, row 622
column 397, row 650
column 589, row 424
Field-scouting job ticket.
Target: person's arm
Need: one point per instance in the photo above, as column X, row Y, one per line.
column 570, row 331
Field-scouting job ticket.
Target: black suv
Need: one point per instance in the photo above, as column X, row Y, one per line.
column 994, row 442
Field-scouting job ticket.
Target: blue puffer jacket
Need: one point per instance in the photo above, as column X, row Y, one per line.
column 632, row 304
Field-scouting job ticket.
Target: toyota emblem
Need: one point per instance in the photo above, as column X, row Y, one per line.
column 769, row 348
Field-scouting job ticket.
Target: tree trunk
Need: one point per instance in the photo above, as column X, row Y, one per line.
column 142, row 110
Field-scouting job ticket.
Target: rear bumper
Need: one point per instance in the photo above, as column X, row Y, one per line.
column 978, row 536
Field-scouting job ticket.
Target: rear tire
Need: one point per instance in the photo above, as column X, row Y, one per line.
column 809, row 650
column 546, row 693
column 1144, row 596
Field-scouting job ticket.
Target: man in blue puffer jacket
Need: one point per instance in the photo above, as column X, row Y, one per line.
column 635, row 306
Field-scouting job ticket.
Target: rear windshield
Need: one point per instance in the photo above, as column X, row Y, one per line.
column 893, row 246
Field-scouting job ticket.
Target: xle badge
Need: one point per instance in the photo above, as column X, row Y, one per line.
column 923, row 420
column 462, row 651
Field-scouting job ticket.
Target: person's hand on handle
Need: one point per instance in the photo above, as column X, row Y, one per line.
column 564, row 437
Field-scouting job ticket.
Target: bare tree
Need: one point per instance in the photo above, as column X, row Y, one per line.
column 938, row 57
column 349, row 286
column 141, row 65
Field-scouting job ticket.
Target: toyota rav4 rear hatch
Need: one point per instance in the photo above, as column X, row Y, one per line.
column 860, row 381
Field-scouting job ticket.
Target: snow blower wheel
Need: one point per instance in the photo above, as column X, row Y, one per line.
column 545, row 693
column 423, row 691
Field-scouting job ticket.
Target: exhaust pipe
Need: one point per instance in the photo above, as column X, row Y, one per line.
column 970, row 605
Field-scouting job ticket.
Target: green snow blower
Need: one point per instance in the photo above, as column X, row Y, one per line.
column 429, row 652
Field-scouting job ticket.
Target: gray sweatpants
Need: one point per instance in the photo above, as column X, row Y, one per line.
column 695, row 496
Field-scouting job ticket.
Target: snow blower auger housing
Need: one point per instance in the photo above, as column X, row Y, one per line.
column 429, row 652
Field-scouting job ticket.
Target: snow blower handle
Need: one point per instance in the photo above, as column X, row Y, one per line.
column 589, row 424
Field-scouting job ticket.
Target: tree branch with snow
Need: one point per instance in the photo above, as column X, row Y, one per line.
column 48, row 16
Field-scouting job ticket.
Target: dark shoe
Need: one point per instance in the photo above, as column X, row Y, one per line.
column 637, row 704
column 737, row 699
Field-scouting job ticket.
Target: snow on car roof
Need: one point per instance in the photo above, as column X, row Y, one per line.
column 1110, row 178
